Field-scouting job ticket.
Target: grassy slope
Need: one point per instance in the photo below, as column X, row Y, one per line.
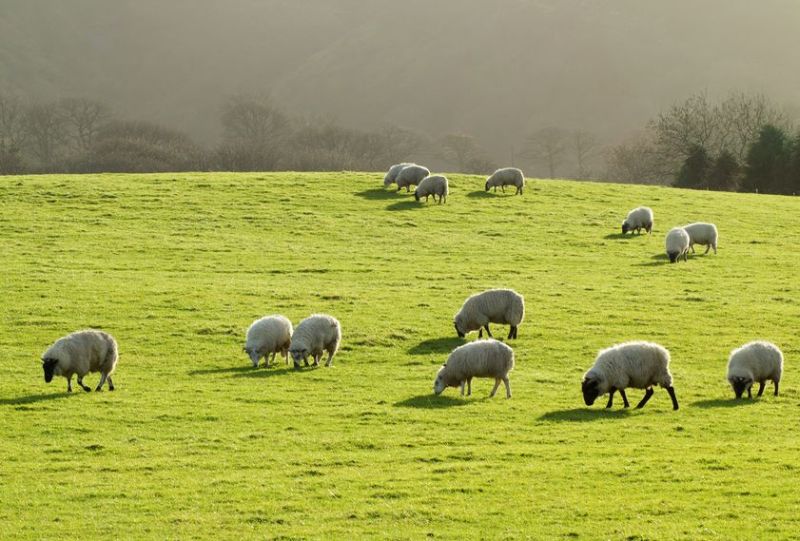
column 195, row 444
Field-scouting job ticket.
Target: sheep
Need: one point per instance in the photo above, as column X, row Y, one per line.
column 432, row 185
column 411, row 174
column 270, row 334
column 754, row 361
column 633, row 364
column 314, row 334
column 391, row 175
column 80, row 353
column 507, row 176
column 702, row 233
column 638, row 219
column 504, row 306
column 484, row 359
column 677, row 244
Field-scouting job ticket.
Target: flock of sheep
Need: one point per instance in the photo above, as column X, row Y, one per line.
column 638, row 365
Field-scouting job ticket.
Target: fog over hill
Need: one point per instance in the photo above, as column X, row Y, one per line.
column 495, row 69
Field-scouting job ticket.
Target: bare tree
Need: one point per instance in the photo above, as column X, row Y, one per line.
column 585, row 145
column 254, row 134
column 636, row 161
column 741, row 118
column 683, row 127
column 84, row 118
column 46, row 133
column 12, row 124
column 546, row 147
column 463, row 151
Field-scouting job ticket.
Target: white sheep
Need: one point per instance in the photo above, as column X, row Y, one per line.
column 507, row 176
column 411, row 174
column 638, row 219
column 391, row 174
column 270, row 334
column 754, row 361
column 504, row 306
column 432, row 185
column 677, row 244
column 633, row 364
column 80, row 353
column 314, row 334
column 483, row 359
column 702, row 233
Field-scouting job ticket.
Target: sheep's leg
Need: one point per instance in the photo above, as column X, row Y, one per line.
column 508, row 386
column 469, row 386
column 480, row 332
column 671, row 391
column 496, row 385
column 110, row 384
column 761, row 385
column 488, row 331
column 399, row 188
column 749, row 392
column 102, row 381
column 708, row 247
column 611, row 397
column 647, row 394
column 776, row 382
column 691, row 247
column 512, row 332
column 715, row 249
column 317, row 357
column 330, row 358
column 624, row 398
column 305, row 359
column 69, row 384
column 84, row 387
column 503, row 188
column 462, row 387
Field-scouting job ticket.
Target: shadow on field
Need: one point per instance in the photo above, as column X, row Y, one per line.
column 430, row 401
column 578, row 415
column 657, row 260
column 33, row 398
column 377, row 194
column 723, row 403
column 620, row 236
column 264, row 372
column 226, row 370
column 437, row 345
column 478, row 194
column 404, row 205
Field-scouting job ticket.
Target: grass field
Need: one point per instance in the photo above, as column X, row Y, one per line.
column 196, row 444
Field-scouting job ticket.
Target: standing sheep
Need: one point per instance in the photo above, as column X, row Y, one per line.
column 410, row 174
column 80, row 353
column 677, row 244
column 508, row 176
column 484, row 359
column 504, row 306
column 638, row 219
column 633, row 364
column 432, row 185
column 270, row 334
column 391, row 175
column 314, row 334
column 755, row 361
column 702, row 233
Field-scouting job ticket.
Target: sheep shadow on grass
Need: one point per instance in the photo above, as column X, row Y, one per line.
column 377, row 194
column 723, row 403
column 657, row 260
column 33, row 398
column 437, row 345
column 404, row 205
column 222, row 370
column 274, row 370
column 430, row 401
column 482, row 194
column 579, row 415
column 621, row 236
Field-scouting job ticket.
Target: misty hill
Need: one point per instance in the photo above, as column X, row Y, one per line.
column 498, row 70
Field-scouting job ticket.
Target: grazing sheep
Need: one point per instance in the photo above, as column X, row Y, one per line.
column 432, row 185
column 484, row 359
column 633, row 364
column 80, row 353
column 270, row 334
column 504, row 306
column 391, row 175
column 508, row 176
column 755, row 361
column 677, row 244
column 702, row 233
column 410, row 174
column 638, row 219
column 314, row 334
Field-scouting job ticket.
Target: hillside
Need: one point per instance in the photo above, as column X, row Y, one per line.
column 195, row 443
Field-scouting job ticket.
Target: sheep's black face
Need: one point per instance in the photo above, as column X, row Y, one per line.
column 673, row 256
column 416, row 196
column 486, row 187
column 458, row 331
column 49, row 366
column 590, row 391
column 625, row 227
column 740, row 385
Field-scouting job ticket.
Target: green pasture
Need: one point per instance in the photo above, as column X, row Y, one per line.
column 196, row 444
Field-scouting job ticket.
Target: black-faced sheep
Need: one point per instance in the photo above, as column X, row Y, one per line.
column 391, row 174
column 508, row 176
column 638, row 219
column 312, row 336
column 504, row 306
column 411, row 174
column 80, row 353
column 677, row 244
column 755, row 361
column 702, row 233
column 432, row 185
column 483, row 359
column 270, row 334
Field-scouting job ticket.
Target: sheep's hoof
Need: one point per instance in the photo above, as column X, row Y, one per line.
column 110, row 388
column 87, row 389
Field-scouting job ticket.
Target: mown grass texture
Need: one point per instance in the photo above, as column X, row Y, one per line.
column 195, row 444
